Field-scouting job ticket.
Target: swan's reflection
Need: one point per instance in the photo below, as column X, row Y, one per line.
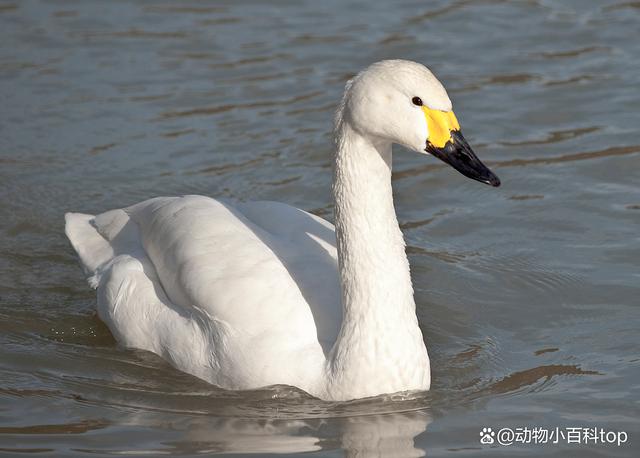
column 386, row 435
column 378, row 435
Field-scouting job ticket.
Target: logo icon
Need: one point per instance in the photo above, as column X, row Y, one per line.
column 486, row 436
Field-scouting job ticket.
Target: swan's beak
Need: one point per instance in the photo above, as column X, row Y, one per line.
column 447, row 144
column 459, row 155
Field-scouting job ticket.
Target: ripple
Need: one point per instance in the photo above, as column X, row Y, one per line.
column 101, row 148
column 415, row 171
column 470, row 353
column 281, row 182
column 184, row 9
column 572, row 52
column 570, row 80
column 149, row 98
column 206, row 111
column 423, row 222
column 499, row 80
column 432, row 14
column 260, row 77
column 80, row 427
column 327, row 39
column 65, row 13
column 220, row 21
column 527, row 271
column 441, row 255
column 583, row 156
column 542, row 351
column 178, row 133
column 396, row 38
column 132, row 33
column 413, row 224
column 27, row 227
column 323, row 108
column 252, row 60
column 511, row 79
column 555, row 136
column 529, row 377
column 526, row 197
column 182, row 394
column 623, row 5
column 8, row 7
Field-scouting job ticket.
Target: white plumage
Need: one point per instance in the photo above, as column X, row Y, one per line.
column 246, row 295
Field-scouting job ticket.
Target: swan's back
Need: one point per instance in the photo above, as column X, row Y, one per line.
column 252, row 287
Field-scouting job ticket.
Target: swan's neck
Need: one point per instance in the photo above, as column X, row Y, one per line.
column 374, row 271
column 379, row 331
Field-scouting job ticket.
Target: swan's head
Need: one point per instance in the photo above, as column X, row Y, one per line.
column 402, row 102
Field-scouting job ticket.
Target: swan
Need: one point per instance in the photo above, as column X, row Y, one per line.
column 252, row 294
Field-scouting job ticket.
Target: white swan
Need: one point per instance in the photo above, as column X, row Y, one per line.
column 246, row 295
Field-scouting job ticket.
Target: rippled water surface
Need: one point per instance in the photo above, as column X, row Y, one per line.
column 528, row 295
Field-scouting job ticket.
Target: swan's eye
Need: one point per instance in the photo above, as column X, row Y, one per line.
column 417, row 101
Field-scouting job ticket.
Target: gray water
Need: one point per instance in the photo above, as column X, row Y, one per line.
column 528, row 295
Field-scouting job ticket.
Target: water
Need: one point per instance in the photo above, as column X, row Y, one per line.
column 528, row 295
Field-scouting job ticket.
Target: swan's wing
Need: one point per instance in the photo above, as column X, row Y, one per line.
column 306, row 245
column 231, row 295
column 261, row 268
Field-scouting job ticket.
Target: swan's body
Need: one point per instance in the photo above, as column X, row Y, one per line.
column 255, row 294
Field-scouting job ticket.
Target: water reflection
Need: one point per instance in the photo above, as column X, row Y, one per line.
column 242, row 435
column 387, row 435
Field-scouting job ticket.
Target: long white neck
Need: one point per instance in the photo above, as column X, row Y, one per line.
column 380, row 347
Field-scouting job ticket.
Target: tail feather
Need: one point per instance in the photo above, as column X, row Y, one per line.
column 92, row 248
column 101, row 238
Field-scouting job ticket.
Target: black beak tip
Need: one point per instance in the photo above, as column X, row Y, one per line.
column 458, row 154
column 493, row 180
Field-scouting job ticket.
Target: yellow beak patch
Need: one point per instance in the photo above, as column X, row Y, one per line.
column 440, row 125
